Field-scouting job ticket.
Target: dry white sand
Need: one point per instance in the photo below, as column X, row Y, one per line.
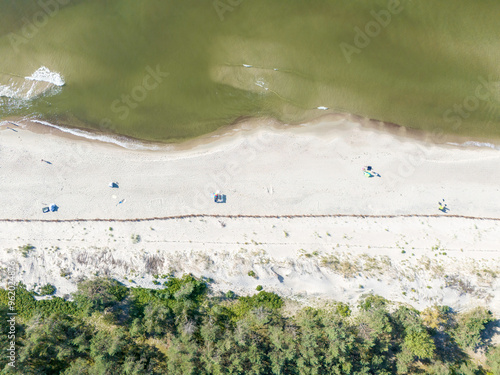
column 314, row 169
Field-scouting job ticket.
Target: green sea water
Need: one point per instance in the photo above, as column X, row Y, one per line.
column 172, row 70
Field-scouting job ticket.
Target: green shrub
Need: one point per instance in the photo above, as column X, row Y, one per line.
column 119, row 290
column 494, row 359
column 259, row 288
column 143, row 296
column 47, row 290
column 469, row 327
column 24, row 301
column 179, row 294
column 262, row 299
column 343, row 309
column 372, row 301
column 187, row 287
column 54, row 305
column 420, row 344
column 26, row 250
column 99, row 293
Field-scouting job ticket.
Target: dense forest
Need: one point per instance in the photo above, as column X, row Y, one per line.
column 183, row 328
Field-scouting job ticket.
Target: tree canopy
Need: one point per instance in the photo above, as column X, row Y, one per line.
column 181, row 328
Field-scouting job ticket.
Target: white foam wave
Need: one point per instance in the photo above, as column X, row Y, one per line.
column 40, row 82
column 117, row 140
column 476, row 144
column 45, row 75
column 7, row 91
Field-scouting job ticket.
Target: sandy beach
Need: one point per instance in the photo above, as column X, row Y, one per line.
column 418, row 255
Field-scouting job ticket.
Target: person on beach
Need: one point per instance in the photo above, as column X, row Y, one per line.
column 368, row 172
column 442, row 206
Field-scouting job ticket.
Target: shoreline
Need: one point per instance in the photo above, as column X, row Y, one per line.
column 250, row 124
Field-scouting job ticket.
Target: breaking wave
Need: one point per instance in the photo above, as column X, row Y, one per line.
column 43, row 74
column 476, row 144
column 25, row 88
column 117, row 140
